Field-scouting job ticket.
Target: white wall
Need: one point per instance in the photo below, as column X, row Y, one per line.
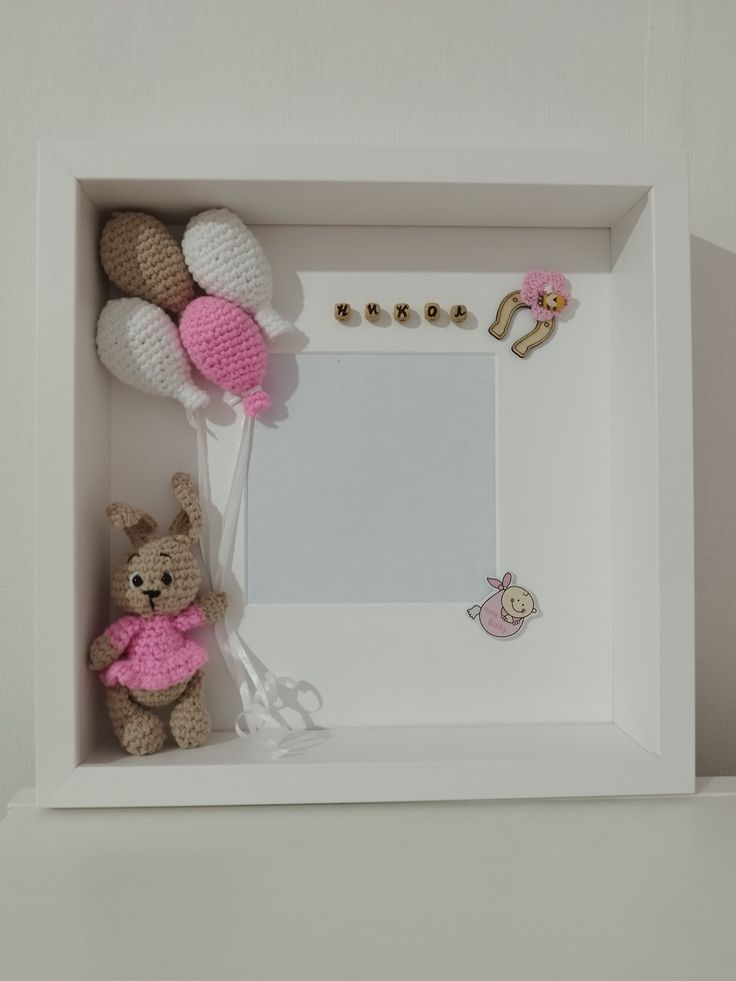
column 493, row 72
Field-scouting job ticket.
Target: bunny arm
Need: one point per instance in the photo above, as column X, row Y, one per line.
column 101, row 653
column 205, row 609
column 112, row 643
column 213, row 606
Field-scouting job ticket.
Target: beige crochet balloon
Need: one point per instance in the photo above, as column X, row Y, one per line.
column 143, row 259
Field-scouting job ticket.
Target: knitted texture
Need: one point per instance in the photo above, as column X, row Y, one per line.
column 226, row 345
column 145, row 659
column 188, row 521
column 157, row 654
column 165, row 565
column 159, row 574
column 227, row 261
column 138, row 731
column 138, row 525
column 538, row 285
column 155, row 699
column 190, row 723
column 142, row 258
column 139, row 344
column 141, row 732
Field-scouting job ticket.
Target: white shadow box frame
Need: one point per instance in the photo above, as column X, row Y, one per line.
column 593, row 473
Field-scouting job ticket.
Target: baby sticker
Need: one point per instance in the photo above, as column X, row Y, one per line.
column 505, row 612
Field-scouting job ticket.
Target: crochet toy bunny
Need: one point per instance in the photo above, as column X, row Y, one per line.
column 145, row 659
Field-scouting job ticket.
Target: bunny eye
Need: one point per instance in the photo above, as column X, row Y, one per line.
column 136, row 580
column 167, row 579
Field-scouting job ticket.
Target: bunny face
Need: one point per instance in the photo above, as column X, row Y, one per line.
column 160, row 576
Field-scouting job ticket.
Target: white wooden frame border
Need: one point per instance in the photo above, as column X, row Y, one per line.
column 64, row 618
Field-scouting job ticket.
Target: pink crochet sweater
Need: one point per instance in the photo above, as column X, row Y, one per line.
column 155, row 654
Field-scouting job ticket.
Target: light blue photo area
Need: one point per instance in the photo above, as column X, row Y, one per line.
column 373, row 480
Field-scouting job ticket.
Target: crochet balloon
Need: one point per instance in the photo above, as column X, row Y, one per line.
column 226, row 344
column 222, row 334
column 142, row 258
column 227, row 260
column 139, row 344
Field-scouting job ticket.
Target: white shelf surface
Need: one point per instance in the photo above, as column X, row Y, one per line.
column 611, row 890
column 350, row 765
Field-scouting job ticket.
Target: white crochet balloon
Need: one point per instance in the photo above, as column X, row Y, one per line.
column 226, row 259
column 139, row 344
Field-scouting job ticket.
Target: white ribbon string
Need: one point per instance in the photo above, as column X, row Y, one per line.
column 261, row 693
column 197, row 421
column 235, row 502
column 216, row 562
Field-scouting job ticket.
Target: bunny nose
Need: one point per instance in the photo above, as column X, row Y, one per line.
column 151, row 594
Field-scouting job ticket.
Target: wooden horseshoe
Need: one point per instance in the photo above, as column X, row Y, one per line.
column 541, row 333
column 507, row 310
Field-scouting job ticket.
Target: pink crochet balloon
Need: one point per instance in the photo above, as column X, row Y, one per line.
column 227, row 346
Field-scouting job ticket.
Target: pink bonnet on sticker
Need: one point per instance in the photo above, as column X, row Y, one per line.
column 505, row 613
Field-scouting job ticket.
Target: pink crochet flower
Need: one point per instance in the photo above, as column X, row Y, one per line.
column 536, row 283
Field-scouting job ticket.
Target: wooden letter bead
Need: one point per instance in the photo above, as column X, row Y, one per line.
column 458, row 313
column 401, row 312
column 431, row 312
column 342, row 311
column 372, row 312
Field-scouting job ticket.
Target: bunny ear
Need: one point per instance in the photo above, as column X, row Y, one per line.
column 137, row 525
column 506, row 580
column 188, row 521
column 496, row 582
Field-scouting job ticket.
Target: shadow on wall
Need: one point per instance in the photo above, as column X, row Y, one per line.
column 714, row 404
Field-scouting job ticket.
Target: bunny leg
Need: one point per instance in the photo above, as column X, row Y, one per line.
column 190, row 721
column 473, row 612
column 138, row 731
